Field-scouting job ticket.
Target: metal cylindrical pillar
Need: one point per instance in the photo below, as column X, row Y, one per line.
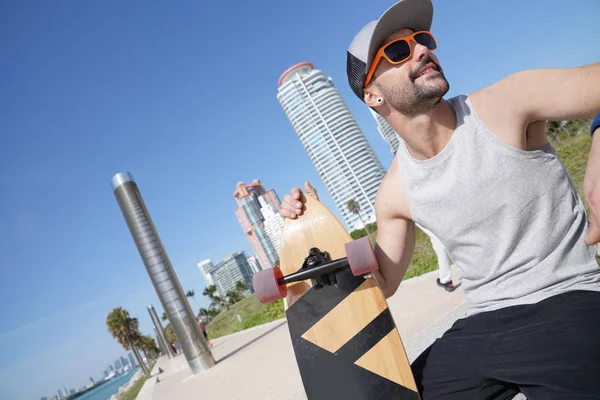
column 160, row 332
column 161, row 344
column 162, row 275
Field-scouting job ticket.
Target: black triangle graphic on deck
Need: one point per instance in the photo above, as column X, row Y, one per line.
column 315, row 304
column 368, row 337
column 328, row 376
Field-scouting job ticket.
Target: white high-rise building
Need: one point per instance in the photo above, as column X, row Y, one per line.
column 273, row 223
column 227, row 273
column 205, row 266
column 254, row 264
column 387, row 132
column 333, row 140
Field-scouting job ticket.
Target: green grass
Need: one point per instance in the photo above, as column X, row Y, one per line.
column 252, row 313
column 424, row 259
column 133, row 391
column 573, row 152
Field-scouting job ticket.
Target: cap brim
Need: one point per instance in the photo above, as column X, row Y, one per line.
column 414, row 14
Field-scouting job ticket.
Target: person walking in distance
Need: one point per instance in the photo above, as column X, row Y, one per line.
column 444, row 278
column 203, row 329
column 478, row 172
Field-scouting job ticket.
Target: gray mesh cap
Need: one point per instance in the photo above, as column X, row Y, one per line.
column 414, row 14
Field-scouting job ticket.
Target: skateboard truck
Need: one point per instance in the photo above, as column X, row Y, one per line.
column 270, row 284
column 318, row 267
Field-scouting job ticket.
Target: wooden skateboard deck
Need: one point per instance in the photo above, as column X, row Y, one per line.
column 344, row 337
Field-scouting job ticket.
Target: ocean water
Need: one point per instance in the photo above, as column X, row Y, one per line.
column 108, row 389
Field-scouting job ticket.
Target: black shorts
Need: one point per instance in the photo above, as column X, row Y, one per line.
column 547, row 350
column 205, row 335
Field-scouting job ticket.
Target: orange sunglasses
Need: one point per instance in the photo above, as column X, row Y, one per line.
column 399, row 50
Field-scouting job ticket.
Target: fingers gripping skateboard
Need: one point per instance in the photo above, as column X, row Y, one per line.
column 266, row 285
column 361, row 257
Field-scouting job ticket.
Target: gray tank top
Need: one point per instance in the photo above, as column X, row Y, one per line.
column 511, row 220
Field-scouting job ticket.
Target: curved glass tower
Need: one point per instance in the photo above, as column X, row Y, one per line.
column 333, row 140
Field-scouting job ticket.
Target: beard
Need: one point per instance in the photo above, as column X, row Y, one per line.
column 415, row 98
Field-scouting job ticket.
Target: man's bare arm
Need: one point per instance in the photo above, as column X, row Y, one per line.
column 395, row 233
column 560, row 94
column 511, row 106
column 549, row 94
column 394, row 249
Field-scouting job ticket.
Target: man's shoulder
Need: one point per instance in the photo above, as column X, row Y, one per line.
column 391, row 199
column 391, row 176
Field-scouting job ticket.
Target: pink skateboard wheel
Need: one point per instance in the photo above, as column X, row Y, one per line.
column 361, row 256
column 266, row 287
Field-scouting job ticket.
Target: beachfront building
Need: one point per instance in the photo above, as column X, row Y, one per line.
column 254, row 264
column 205, row 266
column 227, row 273
column 258, row 214
column 273, row 224
column 334, row 142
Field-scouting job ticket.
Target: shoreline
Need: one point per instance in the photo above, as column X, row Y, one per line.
column 124, row 388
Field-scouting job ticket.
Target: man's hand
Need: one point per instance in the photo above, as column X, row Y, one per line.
column 591, row 190
column 291, row 206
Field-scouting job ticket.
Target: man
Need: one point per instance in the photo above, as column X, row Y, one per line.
column 478, row 172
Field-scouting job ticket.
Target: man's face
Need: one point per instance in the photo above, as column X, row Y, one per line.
column 415, row 86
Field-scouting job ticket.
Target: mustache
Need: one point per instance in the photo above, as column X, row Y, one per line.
column 415, row 73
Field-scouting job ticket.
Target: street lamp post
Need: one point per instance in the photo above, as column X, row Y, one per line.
column 161, row 273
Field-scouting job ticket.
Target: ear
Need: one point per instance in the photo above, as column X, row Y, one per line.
column 372, row 96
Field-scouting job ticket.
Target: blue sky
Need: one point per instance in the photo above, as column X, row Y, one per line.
column 184, row 96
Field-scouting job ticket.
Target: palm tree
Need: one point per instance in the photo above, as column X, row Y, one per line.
column 165, row 316
column 125, row 329
column 149, row 347
column 191, row 294
column 203, row 312
column 354, row 208
column 170, row 334
column 233, row 297
column 241, row 287
column 210, row 291
column 213, row 311
column 221, row 302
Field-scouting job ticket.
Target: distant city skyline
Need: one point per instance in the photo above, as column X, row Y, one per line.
column 121, row 361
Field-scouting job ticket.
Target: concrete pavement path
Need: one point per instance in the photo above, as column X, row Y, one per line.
column 259, row 363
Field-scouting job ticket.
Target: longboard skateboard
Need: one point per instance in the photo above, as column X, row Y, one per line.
column 345, row 340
